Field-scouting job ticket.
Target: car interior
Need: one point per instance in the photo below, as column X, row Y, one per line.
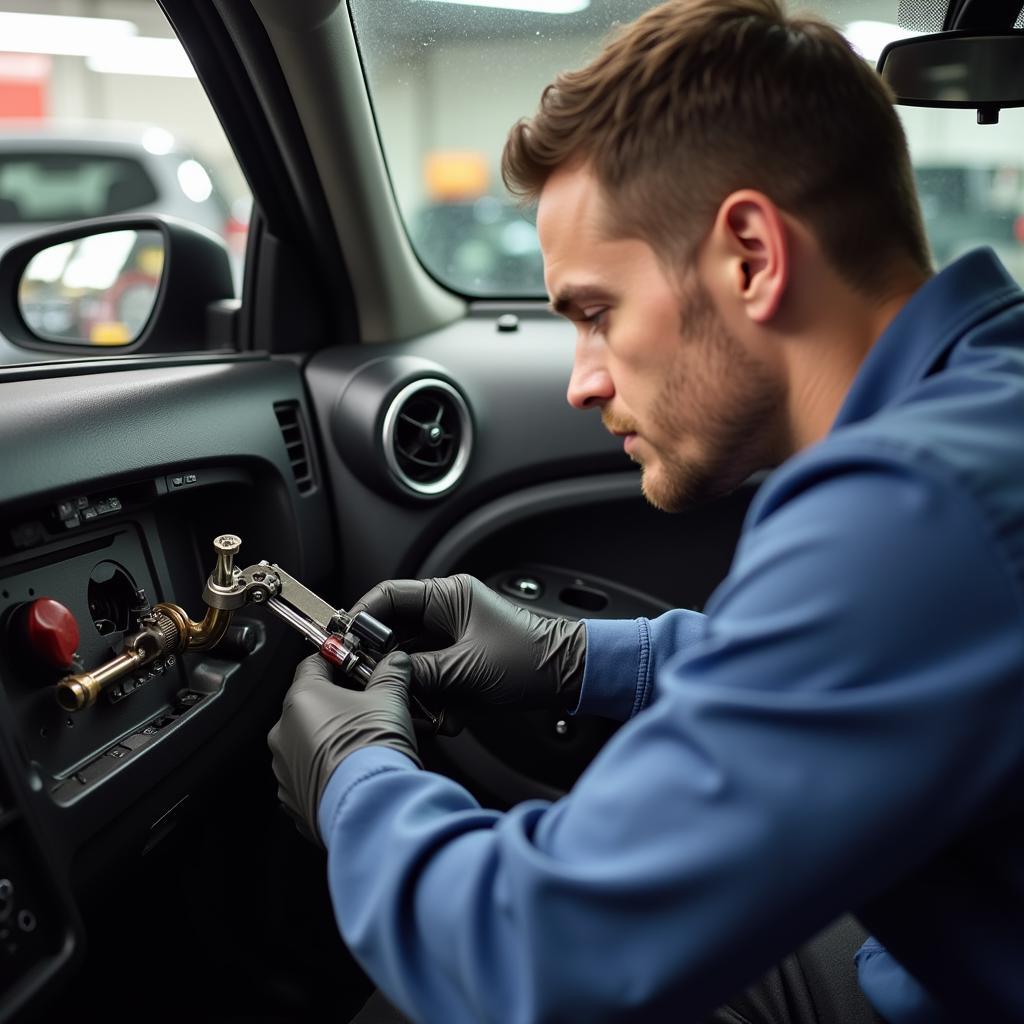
column 185, row 506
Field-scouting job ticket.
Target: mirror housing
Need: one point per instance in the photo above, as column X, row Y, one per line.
column 957, row 69
column 196, row 276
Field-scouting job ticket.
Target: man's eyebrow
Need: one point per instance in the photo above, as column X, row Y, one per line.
column 575, row 296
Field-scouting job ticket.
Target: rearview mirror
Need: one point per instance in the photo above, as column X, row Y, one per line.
column 957, row 69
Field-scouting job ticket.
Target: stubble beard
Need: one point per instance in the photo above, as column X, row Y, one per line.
column 720, row 396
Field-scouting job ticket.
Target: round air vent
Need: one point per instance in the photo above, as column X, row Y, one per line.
column 427, row 436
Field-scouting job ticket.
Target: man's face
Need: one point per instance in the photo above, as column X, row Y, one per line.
column 695, row 407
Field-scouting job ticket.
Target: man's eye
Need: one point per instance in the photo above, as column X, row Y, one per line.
column 595, row 318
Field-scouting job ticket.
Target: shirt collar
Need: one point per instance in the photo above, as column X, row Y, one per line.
column 935, row 317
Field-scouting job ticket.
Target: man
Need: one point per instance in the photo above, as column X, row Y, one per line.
column 726, row 212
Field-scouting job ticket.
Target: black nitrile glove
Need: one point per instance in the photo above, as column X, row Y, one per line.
column 322, row 723
column 484, row 650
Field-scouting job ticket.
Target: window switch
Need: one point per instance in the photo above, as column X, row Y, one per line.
column 139, row 739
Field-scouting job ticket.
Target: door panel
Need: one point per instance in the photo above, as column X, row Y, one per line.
column 547, row 493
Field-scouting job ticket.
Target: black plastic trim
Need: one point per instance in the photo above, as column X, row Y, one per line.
column 512, row 508
column 117, row 364
column 223, row 40
column 982, row 15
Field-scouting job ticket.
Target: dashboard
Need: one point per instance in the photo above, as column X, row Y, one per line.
column 104, row 516
column 140, row 825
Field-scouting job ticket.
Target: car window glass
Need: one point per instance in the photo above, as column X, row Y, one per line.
column 101, row 113
column 448, row 78
column 65, row 186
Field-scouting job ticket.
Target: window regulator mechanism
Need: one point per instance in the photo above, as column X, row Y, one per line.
column 354, row 643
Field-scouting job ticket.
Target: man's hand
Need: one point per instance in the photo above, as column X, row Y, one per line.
column 492, row 652
column 322, row 723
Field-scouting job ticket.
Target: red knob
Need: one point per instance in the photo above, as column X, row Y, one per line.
column 52, row 632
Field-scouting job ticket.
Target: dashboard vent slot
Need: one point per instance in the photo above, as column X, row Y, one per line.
column 427, row 437
column 292, row 430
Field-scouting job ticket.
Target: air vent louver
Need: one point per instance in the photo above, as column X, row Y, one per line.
column 427, row 437
column 294, row 434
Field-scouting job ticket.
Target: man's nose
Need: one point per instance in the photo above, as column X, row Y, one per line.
column 590, row 383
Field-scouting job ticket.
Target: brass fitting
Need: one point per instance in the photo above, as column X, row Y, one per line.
column 167, row 630
column 200, row 636
column 227, row 546
column 77, row 692
column 196, row 636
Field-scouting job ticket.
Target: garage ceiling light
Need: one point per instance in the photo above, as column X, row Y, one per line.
column 98, row 260
column 144, row 55
column 870, row 38
column 539, row 6
column 60, row 34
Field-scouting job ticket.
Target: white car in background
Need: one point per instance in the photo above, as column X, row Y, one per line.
column 51, row 173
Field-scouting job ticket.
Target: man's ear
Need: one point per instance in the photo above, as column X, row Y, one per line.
column 750, row 236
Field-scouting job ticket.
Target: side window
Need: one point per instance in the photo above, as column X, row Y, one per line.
column 104, row 115
column 972, row 189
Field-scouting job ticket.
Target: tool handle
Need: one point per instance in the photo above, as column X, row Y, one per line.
column 333, row 649
column 443, row 722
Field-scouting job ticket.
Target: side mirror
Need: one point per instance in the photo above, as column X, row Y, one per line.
column 131, row 283
column 957, row 69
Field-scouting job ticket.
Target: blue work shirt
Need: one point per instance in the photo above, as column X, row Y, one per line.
column 842, row 731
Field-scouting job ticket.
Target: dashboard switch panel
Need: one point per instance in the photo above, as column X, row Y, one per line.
column 95, row 581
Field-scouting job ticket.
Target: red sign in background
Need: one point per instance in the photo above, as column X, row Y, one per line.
column 24, row 78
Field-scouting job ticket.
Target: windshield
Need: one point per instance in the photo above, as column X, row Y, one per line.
column 448, row 78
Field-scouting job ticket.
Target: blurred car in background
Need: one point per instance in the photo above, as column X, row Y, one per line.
column 484, row 246
column 52, row 173
column 969, row 205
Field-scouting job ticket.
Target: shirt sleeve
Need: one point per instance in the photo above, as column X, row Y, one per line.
column 623, row 658
column 894, row 993
column 790, row 769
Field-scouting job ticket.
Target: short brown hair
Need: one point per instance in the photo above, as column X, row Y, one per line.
column 698, row 98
